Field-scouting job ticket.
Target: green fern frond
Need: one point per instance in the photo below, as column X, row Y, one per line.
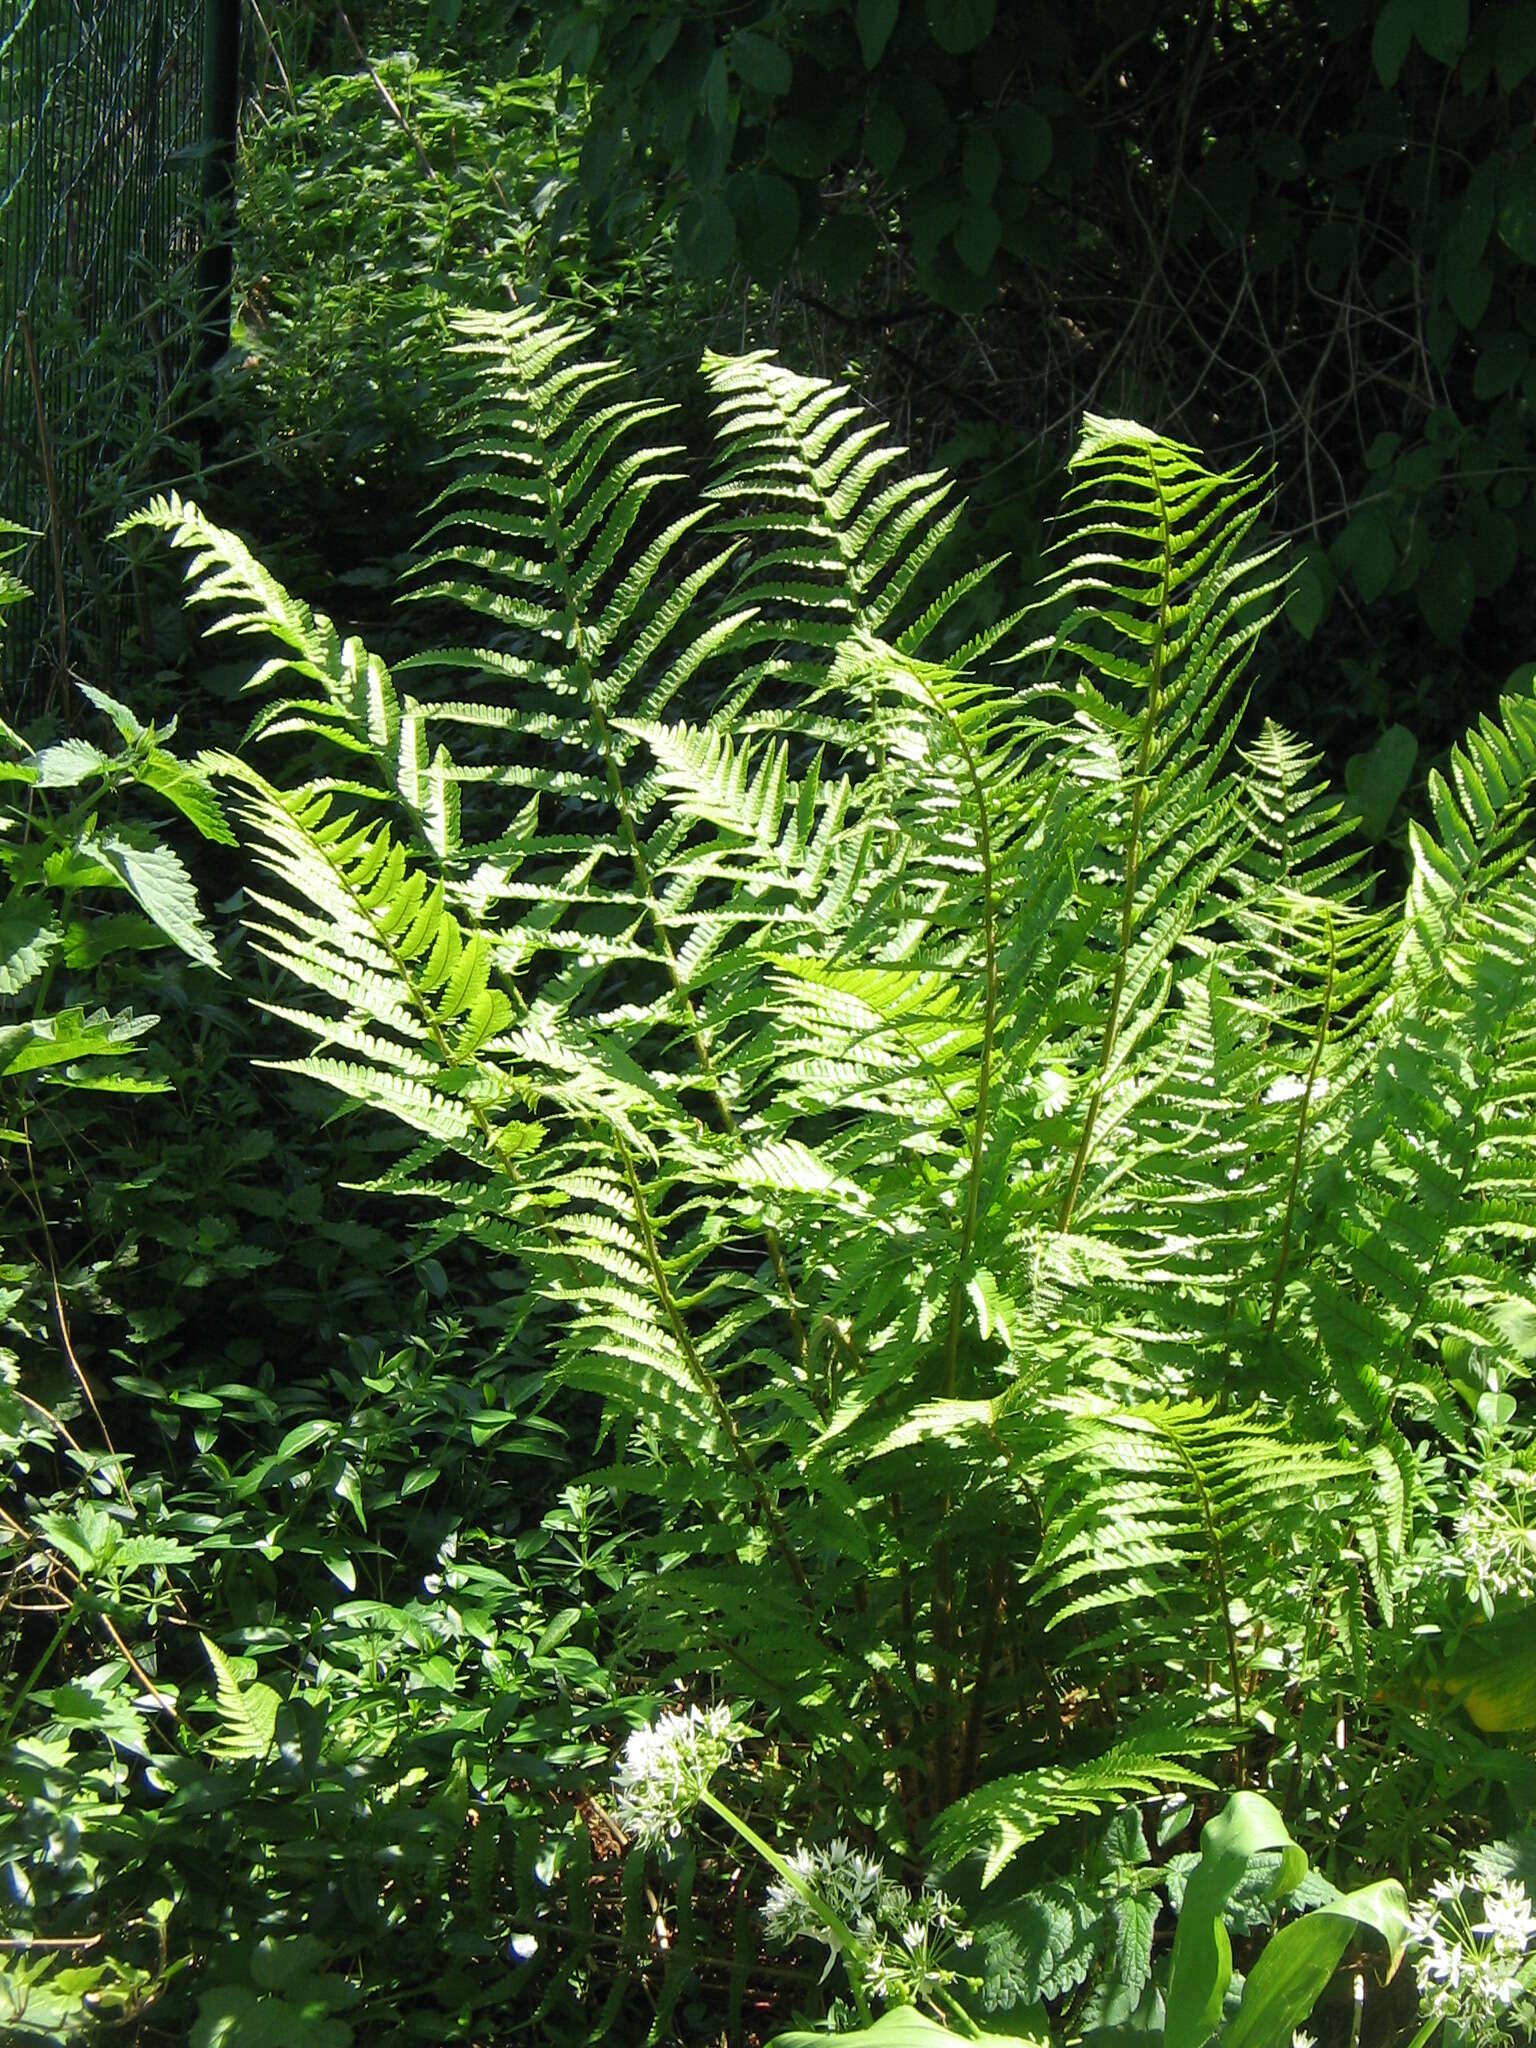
column 1004, row 1817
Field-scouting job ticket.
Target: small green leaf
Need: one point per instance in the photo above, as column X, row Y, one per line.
column 961, row 25
column 1029, row 144
column 885, row 137
column 715, row 95
column 1516, row 58
column 706, row 236
column 766, row 210
column 1446, row 591
column 1377, row 778
column 759, row 62
column 1468, row 288
column 977, row 237
column 842, row 249
column 875, row 20
column 1391, row 38
column 1366, row 551
column 1310, row 587
column 981, row 165
column 1500, row 365
column 1517, row 210
column 1441, row 27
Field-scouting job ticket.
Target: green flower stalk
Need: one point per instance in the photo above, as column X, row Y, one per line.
column 891, row 1944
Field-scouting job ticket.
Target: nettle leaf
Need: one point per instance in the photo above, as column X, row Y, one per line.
column 157, row 879
column 29, row 938
column 67, row 763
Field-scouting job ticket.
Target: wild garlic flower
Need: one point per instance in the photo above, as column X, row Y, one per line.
column 1495, row 1542
column 1472, row 1947
column 906, row 1938
column 666, row 1768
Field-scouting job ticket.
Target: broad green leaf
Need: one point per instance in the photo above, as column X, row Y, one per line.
column 235, row 2016
column 885, row 137
column 1247, row 1829
column 1296, row 1963
column 903, row 2027
column 716, row 92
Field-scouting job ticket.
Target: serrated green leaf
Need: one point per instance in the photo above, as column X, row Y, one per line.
column 158, row 881
column 29, row 938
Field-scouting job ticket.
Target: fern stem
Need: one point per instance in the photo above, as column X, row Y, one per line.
column 1278, row 1291
column 707, row 1384
column 1218, row 1565
column 984, row 1075
column 970, row 1755
column 646, row 883
column 1158, row 658
column 945, row 1645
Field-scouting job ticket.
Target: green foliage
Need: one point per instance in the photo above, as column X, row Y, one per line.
column 1023, row 1218
column 1040, row 208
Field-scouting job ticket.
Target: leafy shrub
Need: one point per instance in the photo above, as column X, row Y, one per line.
column 1031, row 1226
column 1304, row 228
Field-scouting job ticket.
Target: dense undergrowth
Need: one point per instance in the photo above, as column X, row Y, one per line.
column 746, row 1171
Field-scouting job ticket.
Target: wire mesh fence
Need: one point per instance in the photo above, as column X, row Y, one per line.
column 101, row 182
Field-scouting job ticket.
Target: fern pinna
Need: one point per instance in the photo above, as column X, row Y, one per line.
column 1018, row 1198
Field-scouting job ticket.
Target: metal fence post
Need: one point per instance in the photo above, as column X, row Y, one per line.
column 221, row 114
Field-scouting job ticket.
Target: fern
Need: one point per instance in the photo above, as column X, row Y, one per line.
column 1001, row 1178
column 1006, row 1816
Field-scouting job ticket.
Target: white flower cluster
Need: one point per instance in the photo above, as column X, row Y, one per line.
column 1470, row 1958
column 665, row 1770
column 906, row 1938
column 1495, row 1548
